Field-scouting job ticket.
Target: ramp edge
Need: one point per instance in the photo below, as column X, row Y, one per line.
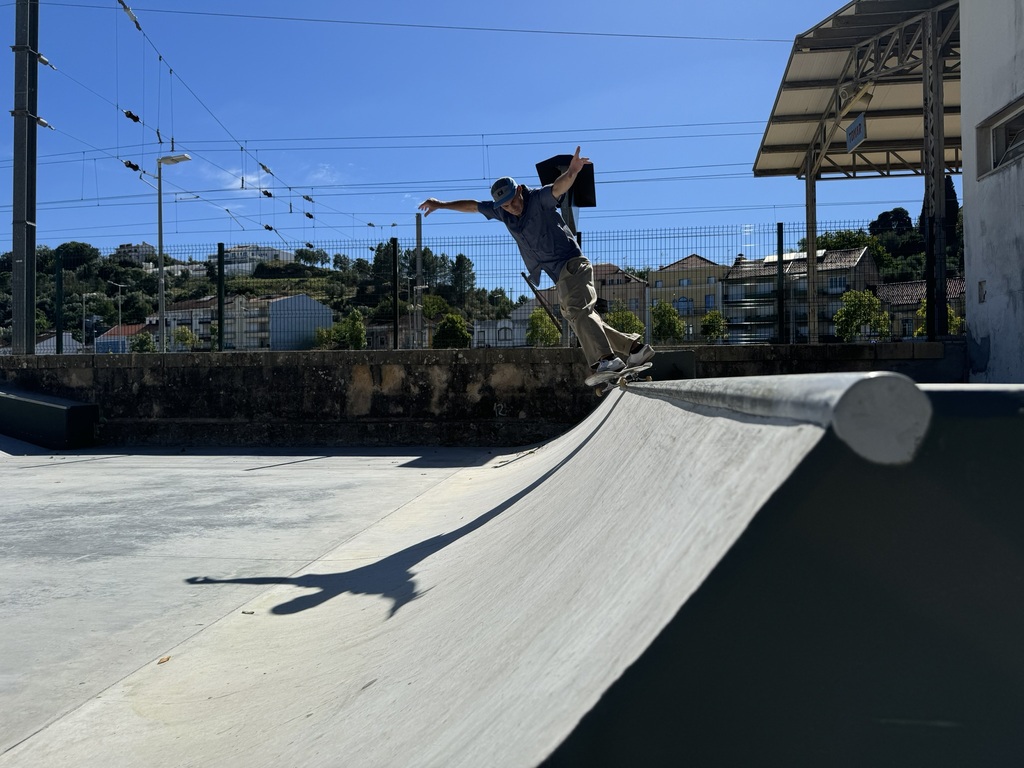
column 881, row 416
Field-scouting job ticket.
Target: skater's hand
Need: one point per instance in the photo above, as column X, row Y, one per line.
column 577, row 162
column 563, row 182
column 429, row 205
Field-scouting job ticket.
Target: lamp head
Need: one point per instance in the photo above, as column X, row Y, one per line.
column 173, row 159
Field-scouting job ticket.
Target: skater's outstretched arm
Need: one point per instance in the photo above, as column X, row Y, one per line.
column 432, row 204
column 563, row 182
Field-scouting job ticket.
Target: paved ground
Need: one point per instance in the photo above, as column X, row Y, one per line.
column 95, row 550
column 376, row 608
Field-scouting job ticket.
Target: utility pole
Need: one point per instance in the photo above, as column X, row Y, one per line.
column 26, row 98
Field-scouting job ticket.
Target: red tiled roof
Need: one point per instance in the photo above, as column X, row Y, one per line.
column 912, row 292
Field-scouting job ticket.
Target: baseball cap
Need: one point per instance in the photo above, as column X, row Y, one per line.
column 503, row 190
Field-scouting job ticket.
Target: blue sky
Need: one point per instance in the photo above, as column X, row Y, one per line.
column 360, row 111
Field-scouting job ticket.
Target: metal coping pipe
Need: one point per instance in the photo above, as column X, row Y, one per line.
column 881, row 416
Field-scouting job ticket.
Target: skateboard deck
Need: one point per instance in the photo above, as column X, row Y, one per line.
column 602, row 382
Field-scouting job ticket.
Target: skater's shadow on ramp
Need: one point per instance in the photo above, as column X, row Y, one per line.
column 391, row 577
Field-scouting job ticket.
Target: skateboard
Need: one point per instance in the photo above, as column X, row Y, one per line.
column 603, row 382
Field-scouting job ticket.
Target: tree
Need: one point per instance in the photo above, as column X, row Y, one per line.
column 713, row 326
column 314, row 257
column 353, row 330
column 350, row 333
column 665, row 321
column 435, row 306
column 184, row 337
column 621, row 319
column 74, row 255
column 541, row 332
column 451, row 333
column 463, row 280
column 860, row 309
column 341, row 262
column 501, row 304
column 897, row 221
column 953, row 323
column 142, row 342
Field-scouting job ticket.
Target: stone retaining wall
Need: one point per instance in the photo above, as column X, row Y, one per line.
column 500, row 397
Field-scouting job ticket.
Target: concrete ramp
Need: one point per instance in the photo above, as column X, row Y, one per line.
column 788, row 570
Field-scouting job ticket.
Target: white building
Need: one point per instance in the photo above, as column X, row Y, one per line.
column 137, row 253
column 242, row 259
column 993, row 149
column 267, row 323
column 506, row 332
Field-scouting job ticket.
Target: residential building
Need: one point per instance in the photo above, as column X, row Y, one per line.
column 414, row 332
column 693, row 286
column 46, row 344
column 268, row 322
column 902, row 301
column 118, row 339
column 138, row 253
column 616, row 286
column 242, row 259
column 507, row 332
column 292, row 321
column 750, row 293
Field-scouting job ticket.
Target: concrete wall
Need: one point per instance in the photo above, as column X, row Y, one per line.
column 413, row 397
column 992, row 78
column 479, row 397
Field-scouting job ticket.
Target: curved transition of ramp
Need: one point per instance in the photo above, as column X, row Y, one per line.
column 784, row 570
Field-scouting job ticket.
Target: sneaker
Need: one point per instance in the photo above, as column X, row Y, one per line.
column 641, row 356
column 614, row 365
column 610, row 366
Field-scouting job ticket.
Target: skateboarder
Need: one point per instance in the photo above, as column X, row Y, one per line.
column 546, row 243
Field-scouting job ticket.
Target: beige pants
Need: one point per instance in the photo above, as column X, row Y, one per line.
column 577, row 298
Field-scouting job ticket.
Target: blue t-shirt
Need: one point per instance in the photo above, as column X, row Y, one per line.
column 545, row 240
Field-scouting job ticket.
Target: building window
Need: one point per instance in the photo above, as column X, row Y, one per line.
column 684, row 305
column 1001, row 138
column 837, row 285
column 712, row 280
column 709, row 301
column 658, row 284
column 684, row 282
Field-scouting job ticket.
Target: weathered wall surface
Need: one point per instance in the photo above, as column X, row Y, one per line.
column 411, row 397
column 327, row 398
column 992, row 81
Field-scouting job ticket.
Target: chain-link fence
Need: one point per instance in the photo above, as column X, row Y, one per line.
column 739, row 284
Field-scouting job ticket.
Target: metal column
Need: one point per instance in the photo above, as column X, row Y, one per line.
column 934, row 160
column 23, row 256
column 812, row 248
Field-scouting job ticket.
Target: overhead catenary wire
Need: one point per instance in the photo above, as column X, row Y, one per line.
column 455, row 27
column 155, row 130
column 284, row 194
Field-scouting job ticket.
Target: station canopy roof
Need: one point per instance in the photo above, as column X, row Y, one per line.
column 867, row 58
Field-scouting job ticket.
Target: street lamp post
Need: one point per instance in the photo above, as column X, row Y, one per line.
column 84, row 340
column 160, row 163
column 120, row 331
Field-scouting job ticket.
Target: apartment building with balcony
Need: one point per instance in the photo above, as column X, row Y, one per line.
column 750, row 295
column 262, row 323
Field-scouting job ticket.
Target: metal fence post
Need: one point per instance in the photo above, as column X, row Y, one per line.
column 780, row 286
column 220, row 297
column 394, row 280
